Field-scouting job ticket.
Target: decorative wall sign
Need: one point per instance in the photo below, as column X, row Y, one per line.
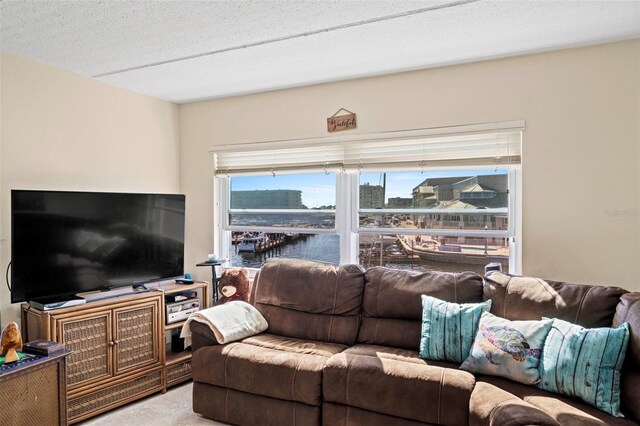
column 336, row 122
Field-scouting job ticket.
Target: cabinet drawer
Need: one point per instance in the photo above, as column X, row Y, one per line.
column 92, row 403
column 178, row 373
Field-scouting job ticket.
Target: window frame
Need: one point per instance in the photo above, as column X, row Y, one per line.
column 347, row 216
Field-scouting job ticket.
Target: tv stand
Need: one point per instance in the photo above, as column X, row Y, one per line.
column 92, row 296
column 116, row 349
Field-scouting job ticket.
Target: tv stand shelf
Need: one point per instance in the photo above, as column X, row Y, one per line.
column 177, row 365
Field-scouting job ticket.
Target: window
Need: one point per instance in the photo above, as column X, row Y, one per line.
column 432, row 199
column 421, row 220
column 284, row 215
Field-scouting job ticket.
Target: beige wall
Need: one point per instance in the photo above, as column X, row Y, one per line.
column 581, row 197
column 63, row 131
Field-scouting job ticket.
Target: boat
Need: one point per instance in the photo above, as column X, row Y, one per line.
column 253, row 243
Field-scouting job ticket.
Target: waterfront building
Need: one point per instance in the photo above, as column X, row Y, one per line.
column 371, row 196
column 399, row 203
column 433, row 190
column 267, row 199
column 472, row 193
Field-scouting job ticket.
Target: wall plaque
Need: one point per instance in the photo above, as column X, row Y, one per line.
column 336, row 122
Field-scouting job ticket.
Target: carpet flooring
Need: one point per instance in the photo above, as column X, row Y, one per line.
column 171, row 408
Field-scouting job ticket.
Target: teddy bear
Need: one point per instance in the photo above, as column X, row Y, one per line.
column 234, row 285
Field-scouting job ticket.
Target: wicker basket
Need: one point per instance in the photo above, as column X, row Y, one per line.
column 178, row 373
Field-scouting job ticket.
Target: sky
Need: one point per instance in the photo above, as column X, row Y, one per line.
column 318, row 189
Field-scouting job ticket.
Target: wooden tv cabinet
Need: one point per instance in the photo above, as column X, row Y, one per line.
column 117, row 350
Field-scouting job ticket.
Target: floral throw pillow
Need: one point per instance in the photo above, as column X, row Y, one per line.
column 510, row 349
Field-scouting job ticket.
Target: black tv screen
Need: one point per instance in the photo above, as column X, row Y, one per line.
column 64, row 243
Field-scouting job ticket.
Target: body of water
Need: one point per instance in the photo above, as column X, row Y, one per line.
column 326, row 248
column 319, row 247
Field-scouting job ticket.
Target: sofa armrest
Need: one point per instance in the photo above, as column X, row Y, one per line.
column 490, row 405
column 201, row 335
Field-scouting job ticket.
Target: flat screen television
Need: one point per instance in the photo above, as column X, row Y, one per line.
column 63, row 243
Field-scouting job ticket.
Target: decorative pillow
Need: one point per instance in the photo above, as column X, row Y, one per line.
column 585, row 363
column 509, row 349
column 448, row 329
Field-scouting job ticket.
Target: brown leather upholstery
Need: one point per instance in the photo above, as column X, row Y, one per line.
column 308, row 367
column 201, row 335
column 268, row 365
column 628, row 310
column 397, row 383
column 344, row 415
column 492, row 406
column 527, row 298
column 392, row 308
column 564, row 410
column 309, row 300
column 240, row 408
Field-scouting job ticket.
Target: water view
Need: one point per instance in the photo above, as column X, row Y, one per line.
column 320, row 247
column 399, row 252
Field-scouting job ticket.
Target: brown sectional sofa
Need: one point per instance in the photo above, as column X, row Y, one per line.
column 342, row 349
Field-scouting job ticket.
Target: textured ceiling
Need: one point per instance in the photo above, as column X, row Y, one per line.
column 185, row 51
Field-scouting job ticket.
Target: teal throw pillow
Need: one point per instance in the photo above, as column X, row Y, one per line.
column 448, row 329
column 585, row 363
column 510, row 349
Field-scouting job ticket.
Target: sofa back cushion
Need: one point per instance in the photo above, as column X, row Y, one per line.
column 309, row 300
column 527, row 298
column 628, row 311
column 392, row 307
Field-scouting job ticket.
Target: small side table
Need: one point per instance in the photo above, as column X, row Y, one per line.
column 214, row 277
column 35, row 393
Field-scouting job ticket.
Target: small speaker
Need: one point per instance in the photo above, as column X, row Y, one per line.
column 177, row 344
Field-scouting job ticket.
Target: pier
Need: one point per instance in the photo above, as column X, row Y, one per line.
column 264, row 242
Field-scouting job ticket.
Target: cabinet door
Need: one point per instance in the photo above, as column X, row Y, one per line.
column 136, row 336
column 88, row 338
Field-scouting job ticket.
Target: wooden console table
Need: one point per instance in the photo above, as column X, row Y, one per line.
column 116, row 345
column 35, row 394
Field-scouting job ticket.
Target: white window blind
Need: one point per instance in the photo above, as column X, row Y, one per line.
column 496, row 143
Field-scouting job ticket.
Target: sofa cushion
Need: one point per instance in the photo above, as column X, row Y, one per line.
column 345, row 415
column 397, row 382
column 241, row 408
column 448, row 329
column 629, row 311
column 567, row 411
column 268, row 365
column 527, row 298
column 392, row 308
column 491, row 405
column 310, row 300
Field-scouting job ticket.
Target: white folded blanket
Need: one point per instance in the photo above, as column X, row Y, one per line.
column 229, row 322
